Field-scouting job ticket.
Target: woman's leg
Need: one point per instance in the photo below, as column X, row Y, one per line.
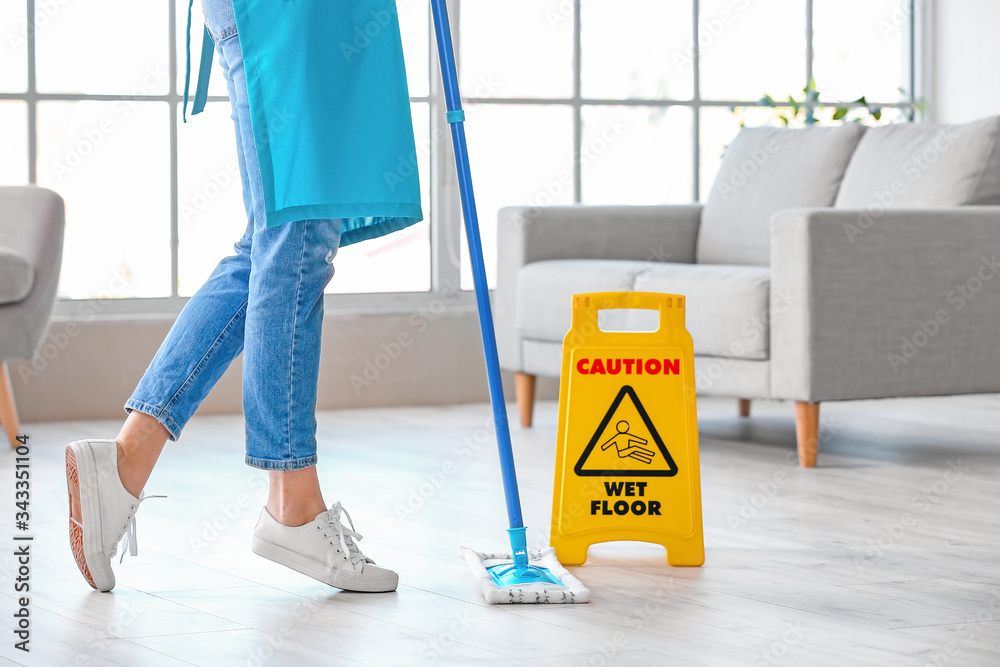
column 291, row 264
column 139, row 445
column 204, row 340
column 294, row 497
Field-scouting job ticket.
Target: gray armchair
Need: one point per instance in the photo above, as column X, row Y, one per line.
column 31, row 240
column 827, row 264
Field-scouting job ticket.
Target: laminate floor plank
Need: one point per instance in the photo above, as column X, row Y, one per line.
column 887, row 553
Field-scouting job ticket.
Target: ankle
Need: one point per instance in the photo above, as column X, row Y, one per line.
column 132, row 480
column 294, row 497
column 293, row 514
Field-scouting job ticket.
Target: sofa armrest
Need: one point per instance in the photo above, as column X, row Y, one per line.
column 878, row 304
column 32, row 220
column 534, row 234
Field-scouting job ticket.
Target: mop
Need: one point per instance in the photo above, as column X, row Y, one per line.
column 523, row 576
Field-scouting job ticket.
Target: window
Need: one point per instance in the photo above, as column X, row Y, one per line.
column 568, row 101
column 90, row 106
column 629, row 101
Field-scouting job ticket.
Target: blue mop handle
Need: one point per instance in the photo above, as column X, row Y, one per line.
column 456, row 117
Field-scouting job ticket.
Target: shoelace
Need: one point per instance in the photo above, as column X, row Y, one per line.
column 347, row 535
column 130, row 542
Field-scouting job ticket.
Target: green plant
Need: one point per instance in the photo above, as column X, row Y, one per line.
column 810, row 111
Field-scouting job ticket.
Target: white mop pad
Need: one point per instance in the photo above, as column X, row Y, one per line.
column 572, row 591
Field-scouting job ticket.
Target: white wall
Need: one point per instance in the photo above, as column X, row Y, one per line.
column 98, row 363
column 965, row 56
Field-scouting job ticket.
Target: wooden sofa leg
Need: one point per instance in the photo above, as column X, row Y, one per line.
column 807, row 432
column 524, row 388
column 8, row 412
column 744, row 407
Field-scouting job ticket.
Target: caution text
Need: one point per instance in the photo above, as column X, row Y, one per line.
column 633, row 366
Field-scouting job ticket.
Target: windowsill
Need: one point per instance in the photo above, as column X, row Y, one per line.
column 336, row 305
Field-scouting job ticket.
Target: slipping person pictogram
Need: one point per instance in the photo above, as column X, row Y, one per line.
column 634, row 455
column 627, row 444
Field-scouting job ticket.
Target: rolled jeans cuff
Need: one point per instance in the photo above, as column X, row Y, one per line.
column 281, row 466
column 158, row 414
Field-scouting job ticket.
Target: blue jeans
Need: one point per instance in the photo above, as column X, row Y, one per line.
column 266, row 300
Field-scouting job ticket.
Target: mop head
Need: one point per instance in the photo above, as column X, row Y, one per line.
column 570, row 591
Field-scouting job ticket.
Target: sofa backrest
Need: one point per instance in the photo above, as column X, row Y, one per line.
column 923, row 165
column 766, row 170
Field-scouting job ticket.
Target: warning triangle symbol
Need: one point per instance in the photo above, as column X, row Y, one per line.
column 626, row 444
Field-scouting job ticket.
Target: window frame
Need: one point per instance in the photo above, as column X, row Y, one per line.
column 445, row 212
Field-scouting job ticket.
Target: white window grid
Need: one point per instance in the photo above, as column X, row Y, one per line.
column 445, row 209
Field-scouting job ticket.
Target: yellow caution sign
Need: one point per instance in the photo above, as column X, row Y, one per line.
column 627, row 455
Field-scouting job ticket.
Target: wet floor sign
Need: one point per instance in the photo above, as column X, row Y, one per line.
column 627, row 455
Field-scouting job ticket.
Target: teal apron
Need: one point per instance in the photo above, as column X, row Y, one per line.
column 330, row 111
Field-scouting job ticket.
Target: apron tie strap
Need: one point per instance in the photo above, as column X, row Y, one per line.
column 204, row 71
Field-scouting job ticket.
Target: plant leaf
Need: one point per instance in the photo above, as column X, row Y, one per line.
column 839, row 113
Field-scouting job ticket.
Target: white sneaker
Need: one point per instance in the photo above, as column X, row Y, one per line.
column 107, row 510
column 323, row 549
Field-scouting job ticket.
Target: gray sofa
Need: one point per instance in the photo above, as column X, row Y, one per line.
column 827, row 264
column 31, row 240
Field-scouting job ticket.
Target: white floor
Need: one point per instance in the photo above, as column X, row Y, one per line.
column 880, row 556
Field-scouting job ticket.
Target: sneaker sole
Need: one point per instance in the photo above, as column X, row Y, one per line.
column 85, row 539
column 348, row 581
column 75, row 529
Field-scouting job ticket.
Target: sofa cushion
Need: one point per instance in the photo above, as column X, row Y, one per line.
column 766, row 170
column 726, row 309
column 921, row 165
column 545, row 291
column 17, row 275
column 726, row 306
